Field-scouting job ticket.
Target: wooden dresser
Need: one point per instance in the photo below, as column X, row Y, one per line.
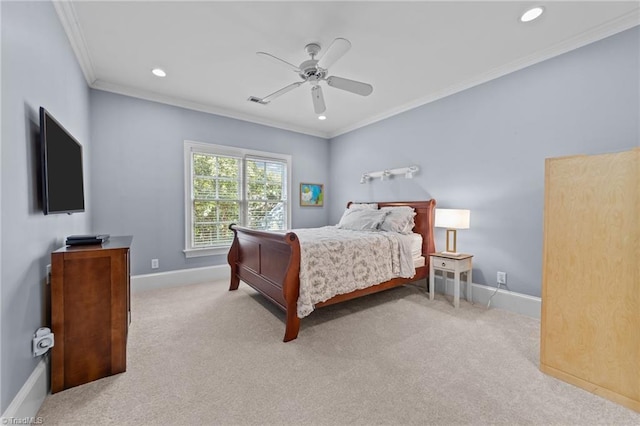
column 590, row 327
column 90, row 312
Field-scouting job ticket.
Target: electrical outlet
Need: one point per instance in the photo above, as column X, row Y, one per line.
column 502, row 277
column 155, row 264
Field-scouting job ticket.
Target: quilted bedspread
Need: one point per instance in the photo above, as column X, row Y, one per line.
column 336, row 261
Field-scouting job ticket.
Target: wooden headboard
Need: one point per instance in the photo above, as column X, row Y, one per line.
column 425, row 217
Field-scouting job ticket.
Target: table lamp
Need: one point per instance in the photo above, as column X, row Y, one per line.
column 452, row 220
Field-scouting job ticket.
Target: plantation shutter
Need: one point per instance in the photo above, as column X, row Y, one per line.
column 266, row 193
column 217, row 198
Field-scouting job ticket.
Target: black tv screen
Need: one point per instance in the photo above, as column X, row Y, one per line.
column 62, row 180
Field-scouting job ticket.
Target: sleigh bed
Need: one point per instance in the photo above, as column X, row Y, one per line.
column 270, row 262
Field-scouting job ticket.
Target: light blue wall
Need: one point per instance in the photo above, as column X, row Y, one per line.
column 39, row 68
column 483, row 149
column 138, row 173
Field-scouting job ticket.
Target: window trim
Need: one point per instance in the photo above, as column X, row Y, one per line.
column 243, row 153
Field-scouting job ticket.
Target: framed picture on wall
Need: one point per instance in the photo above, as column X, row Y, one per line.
column 311, row 195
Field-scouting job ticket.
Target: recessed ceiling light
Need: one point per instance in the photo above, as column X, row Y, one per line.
column 322, row 117
column 532, row 14
column 159, row 72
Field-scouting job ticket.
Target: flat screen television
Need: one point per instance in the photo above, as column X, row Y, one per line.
column 62, row 178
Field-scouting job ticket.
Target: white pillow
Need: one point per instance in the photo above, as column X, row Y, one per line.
column 362, row 206
column 362, row 219
column 400, row 219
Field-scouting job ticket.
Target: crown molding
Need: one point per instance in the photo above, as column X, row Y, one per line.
column 68, row 18
column 196, row 106
column 624, row 22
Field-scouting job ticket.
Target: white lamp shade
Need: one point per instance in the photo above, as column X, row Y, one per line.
column 453, row 218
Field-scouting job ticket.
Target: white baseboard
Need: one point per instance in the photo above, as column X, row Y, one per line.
column 180, row 277
column 504, row 299
column 24, row 407
column 508, row 300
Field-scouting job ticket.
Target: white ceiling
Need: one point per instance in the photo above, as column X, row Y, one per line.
column 411, row 52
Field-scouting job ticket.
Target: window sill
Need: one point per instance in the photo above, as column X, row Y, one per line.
column 211, row 251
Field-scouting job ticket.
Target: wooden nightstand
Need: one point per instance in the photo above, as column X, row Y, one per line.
column 455, row 264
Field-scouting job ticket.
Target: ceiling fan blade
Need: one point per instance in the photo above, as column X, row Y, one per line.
column 338, row 47
column 280, row 61
column 352, row 86
column 318, row 99
column 281, row 92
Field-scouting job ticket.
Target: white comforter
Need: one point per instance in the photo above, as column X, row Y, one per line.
column 336, row 261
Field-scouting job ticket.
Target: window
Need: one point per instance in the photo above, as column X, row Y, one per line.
column 225, row 185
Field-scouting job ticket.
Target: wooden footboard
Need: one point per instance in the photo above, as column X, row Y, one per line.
column 270, row 263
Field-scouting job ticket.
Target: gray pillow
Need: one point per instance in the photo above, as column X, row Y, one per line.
column 399, row 219
column 362, row 219
column 362, row 206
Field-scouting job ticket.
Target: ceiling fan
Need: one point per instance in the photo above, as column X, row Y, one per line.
column 314, row 71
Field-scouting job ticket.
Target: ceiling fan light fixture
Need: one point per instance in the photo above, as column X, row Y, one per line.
column 532, row 14
column 158, row 72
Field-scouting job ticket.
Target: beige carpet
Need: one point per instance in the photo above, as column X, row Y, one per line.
column 202, row 355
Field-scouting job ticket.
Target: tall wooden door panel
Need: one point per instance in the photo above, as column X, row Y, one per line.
column 590, row 329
